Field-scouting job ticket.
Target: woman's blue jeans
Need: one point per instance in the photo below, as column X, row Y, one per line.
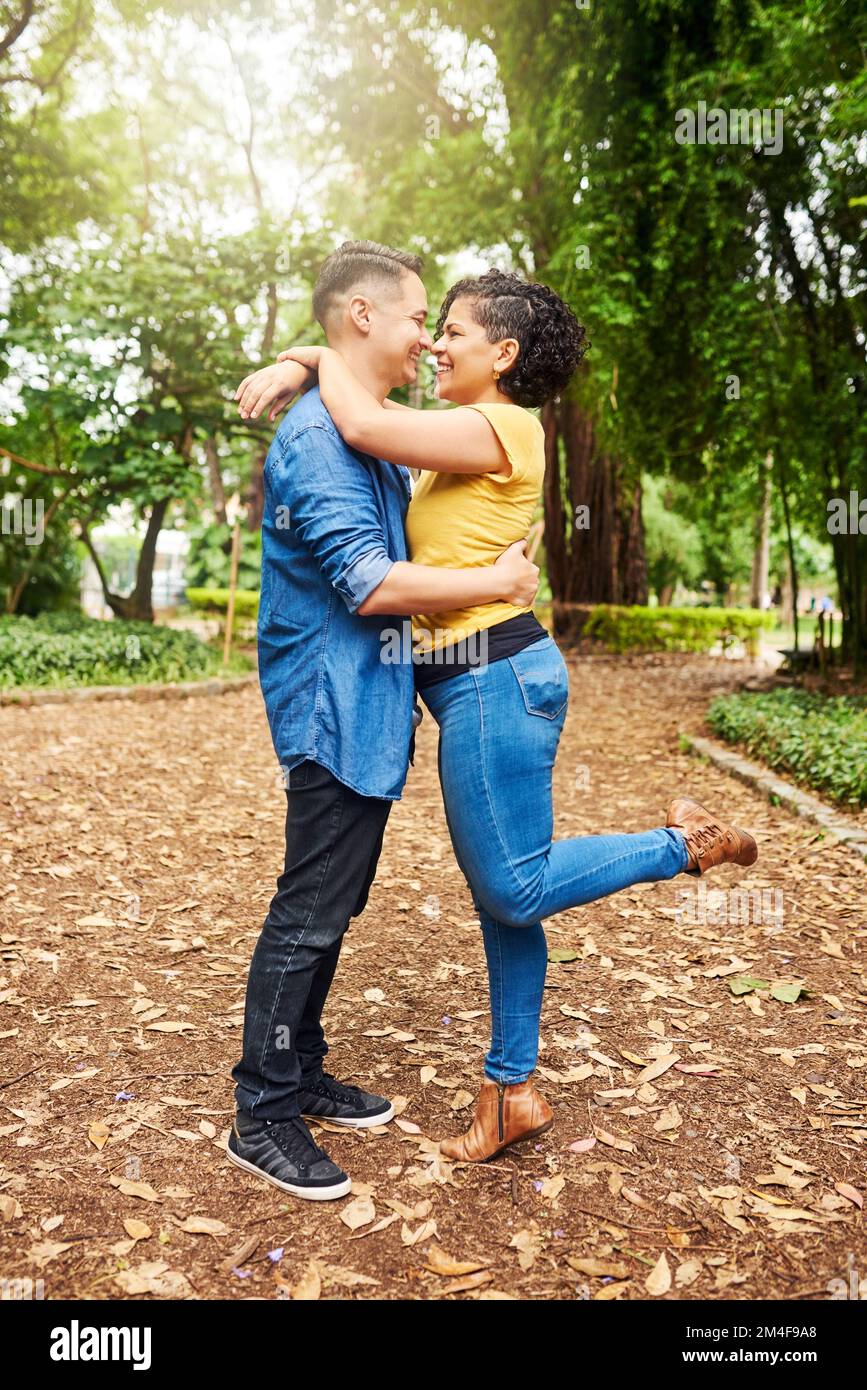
column 499, row 730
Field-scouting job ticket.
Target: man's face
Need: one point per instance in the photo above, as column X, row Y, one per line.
column 398, row 334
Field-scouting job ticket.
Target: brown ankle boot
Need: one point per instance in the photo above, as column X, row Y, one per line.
column 708, row 841
column 504, row 1114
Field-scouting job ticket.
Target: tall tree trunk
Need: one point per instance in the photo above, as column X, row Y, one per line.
column 594, row 536
column 790, row 546
column 255, row 495
column 762, row 548
column 215, row 478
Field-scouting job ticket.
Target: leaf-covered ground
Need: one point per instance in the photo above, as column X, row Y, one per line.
column 707, row 1144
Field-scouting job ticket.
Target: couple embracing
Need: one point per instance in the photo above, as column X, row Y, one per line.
column 350, row 548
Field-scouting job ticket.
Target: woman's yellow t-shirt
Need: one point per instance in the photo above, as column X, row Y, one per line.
column 461, row 520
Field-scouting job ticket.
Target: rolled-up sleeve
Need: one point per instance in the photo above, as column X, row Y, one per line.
column 363, row 576
column 333, row 510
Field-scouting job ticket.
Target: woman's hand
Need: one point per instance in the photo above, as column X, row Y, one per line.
column 307, row 356
column 272, row 388
column 520, row 575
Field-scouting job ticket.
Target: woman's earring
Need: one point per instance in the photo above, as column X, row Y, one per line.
column 496, row 374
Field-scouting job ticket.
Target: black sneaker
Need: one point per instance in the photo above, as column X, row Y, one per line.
column 328, row 1099
column 284, row 1152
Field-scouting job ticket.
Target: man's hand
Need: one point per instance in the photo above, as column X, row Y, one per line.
column 521, row 576
column 272, row 389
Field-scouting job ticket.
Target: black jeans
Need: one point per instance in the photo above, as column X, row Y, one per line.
column 333, row 843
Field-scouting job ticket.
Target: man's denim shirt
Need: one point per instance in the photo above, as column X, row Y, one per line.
column 333, row 527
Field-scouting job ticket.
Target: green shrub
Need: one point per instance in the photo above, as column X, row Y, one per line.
column 217, row 601
column 674, row 629
column 66, row 649
column 821, row 741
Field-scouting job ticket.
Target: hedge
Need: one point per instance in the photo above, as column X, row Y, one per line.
column 67, row 649
column 674, row 629
column 217, row 601
column 820, row 740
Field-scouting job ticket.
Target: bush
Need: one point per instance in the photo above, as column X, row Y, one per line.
column 820, row 740
column 217, row 601
column 674, row 629
column 66, row 649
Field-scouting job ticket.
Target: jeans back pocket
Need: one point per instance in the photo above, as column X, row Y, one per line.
column 542, row 676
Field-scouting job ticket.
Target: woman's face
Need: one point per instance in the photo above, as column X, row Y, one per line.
column 465, row 359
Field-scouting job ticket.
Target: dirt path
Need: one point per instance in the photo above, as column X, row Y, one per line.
column 139, row 848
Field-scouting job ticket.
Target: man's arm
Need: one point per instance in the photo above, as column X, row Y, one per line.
column 333, row 511
column 409, row 588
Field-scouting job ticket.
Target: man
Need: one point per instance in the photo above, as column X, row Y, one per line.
column 341, row 717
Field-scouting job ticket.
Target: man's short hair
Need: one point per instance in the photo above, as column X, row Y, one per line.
column 358, row 263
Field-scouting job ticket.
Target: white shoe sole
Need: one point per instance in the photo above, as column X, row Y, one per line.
column 367, row 1122
column 313, row 1194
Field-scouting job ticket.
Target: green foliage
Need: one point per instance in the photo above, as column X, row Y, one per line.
column 39, row 576
column 821, row 741
column 217, row 601
column 672, row 542
column 160, row 258
column 722, row 284
column 66, row 649
column 674, row 629
column 209, row 557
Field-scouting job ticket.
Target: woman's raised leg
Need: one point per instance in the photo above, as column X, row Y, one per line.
column 500, row 726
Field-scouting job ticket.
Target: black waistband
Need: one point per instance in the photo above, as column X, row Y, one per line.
column 479, row 649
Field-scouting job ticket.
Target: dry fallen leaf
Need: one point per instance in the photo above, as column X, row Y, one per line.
column 552, row 1187
column 847, row 1190
column 423, row 1232
column 625, row 1145
column 98, row 1134
column 669, row 1118
column 137, row 1230
column 528, row 1244
column 471, row 1281
column 687, row 1273
column 203, row 1226
column 10, row 1208
column 439, row 1262
column 655, row 1069
column 658, row 1280
column 154, row 1277
column 597, row 1268
column 45, row 1250
column 309, row 1286
column 138, row 1189
column 358, row 1213
column 407, row 1126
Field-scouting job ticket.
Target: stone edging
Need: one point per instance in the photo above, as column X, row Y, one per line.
column 799, row 802
column 81, row 694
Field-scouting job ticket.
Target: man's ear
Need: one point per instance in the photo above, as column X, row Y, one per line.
column 359, row 309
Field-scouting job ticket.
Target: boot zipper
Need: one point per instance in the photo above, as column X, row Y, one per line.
column 501, row 1096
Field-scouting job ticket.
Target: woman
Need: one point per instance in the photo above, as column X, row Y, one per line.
column 503, row 347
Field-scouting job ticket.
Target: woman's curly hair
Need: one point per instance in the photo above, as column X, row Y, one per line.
column 551, row 340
